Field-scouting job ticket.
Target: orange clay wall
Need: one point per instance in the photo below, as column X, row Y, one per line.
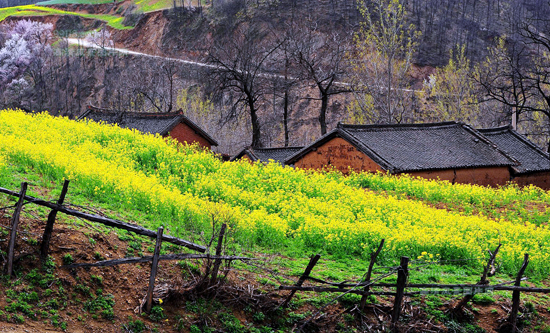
column 339, row 154
column 492, row 176
column 540, row 179
column 184, row 133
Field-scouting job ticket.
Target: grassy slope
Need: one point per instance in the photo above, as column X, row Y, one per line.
column 144, row 6
column 279, row 209
column 73, row 309
column 336, row 268
column 34, row 10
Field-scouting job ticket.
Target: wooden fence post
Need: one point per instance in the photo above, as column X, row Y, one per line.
column 483, row 280
column 45, row 246
column 218, row 261
column 516, row 295
column 14, row 225
column 373, row 257
column 402, row 275
column 312, row 263
column 154, row 266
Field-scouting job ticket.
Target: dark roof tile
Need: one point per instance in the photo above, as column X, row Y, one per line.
column 153, row 123
column 265, row 154
column 531, row 157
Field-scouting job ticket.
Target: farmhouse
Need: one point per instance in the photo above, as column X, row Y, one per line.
column 534, row 167
column 448, row 151
column 278, row 155
column 173, row 124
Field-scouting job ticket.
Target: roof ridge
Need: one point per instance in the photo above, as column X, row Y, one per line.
column 275, row 148
column 498, row 129
column 419, row 126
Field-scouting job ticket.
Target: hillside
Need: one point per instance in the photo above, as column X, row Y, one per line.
column 277, row 214
column 67, row 78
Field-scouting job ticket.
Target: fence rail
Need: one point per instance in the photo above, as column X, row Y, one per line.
column 158, row 235
column 401, row 287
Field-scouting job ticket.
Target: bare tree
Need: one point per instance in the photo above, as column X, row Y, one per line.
column 517, row 75
column 321, row 59
column 239, row 67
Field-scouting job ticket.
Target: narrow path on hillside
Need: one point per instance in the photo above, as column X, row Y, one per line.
column 85, row 43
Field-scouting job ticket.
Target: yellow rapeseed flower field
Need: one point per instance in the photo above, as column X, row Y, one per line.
column 186, row 187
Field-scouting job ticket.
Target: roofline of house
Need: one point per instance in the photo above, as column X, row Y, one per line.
column 393, row 126
column 504, row 129
column 340, row 131
column 509, row 128
column 246, row 151
column 180, row 117
column 251, row 152
column 488, row 141
column 275, row 148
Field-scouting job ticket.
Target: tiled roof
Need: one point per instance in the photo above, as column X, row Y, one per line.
column 161, row 123
column 415, row 147
column 531, row 157
column 265, row 154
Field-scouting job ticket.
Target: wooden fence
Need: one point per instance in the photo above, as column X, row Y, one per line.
column 363, row 287
column 158, row 235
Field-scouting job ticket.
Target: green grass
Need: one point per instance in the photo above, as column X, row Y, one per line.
column 143, row 6
column 33, row 10
column 63, row 2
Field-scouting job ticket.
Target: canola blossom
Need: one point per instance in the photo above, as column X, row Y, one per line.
column 509, row 202
column 185, row 187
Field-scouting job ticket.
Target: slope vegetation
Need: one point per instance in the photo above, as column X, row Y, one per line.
column 277, row 208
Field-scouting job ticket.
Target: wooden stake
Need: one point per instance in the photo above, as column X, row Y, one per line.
column 14, row 225
column 45, row 246
column 218, row 261
column 516, row 295
column 488, row 267
column 483, row 280
column 154, row 266
column 373, row 257
column 312, row 263
column 402, row 275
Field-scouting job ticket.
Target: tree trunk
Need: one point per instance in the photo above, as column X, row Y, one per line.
column 323, row 113
column 256, row 131
column 285, row 118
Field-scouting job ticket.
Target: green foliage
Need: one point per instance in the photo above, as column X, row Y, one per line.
column 134, row 326
column 34, row 10
column 230, row 323
column 258, row 316
column 157, row 313
column 103, row 304
column 98, row 256
column 67, row 259
column 43, row 280
column 293, row 318
column 49, row 265
column 97, row 279
column 19, row 319
column 483, row 299
column 83, row 289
